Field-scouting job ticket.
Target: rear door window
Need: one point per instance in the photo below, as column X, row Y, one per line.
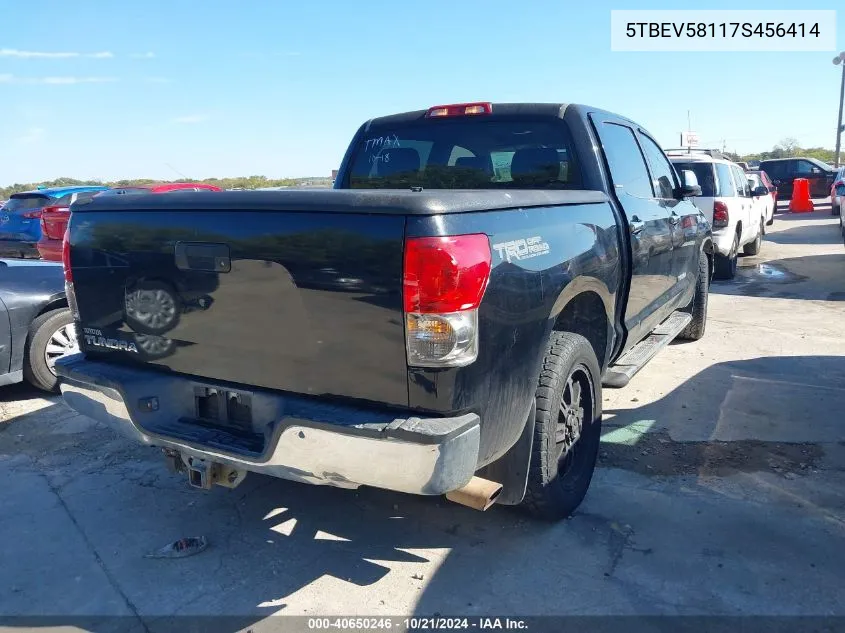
column 725, row 187
column 775, row 170
column 480, row 153
column 627, row 165
column 703, row 172
column 743, row 187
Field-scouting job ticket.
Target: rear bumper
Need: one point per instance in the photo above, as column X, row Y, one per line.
column 723, row 240
column 16, row 248
column 309, row 444
column 50, row 250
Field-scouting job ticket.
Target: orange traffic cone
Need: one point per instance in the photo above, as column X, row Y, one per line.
column 801, row 202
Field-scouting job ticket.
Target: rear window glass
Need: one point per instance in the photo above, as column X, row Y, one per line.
column 26, row 203
column 462, row 154
column 703, row 172
column 124, row 192
column 64, row 201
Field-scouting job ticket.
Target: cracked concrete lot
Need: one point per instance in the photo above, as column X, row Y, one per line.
column 720, row 490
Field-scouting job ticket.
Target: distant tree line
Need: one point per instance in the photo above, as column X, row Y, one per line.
column 242, row 182
column 788, row 148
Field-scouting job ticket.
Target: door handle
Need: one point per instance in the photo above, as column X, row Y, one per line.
column 637, row 225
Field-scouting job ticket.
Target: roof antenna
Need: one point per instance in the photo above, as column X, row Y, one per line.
column 177, row 171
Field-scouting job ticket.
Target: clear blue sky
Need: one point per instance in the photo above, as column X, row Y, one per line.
column 277, row 88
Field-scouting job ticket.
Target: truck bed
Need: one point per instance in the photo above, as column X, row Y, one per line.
column 294, row 291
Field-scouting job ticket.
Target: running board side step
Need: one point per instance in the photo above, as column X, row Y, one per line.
column 620, row 373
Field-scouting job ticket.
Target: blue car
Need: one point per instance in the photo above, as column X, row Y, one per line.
column 20, row 218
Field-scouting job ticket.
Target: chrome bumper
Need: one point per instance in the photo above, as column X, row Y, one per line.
column 428, row 456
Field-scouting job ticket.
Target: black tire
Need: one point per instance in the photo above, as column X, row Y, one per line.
column 754, row 247
column 561, row 469
column 36, row 371
column 725, row 265
column 698, row 306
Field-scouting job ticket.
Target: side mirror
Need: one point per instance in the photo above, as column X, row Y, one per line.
column 760, row 191
column 689, row 186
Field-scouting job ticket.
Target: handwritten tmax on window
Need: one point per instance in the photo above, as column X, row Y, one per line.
column 381, row 142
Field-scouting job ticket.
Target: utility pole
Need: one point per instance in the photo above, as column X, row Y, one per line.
column 840, row 59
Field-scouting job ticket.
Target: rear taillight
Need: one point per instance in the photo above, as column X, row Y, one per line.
column 70, row 291
column 53, row 222
column 32, row 215
column 720, row 215
column 66, row 257
column 443, row 284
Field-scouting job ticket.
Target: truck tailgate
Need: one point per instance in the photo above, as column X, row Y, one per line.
column 303, row 302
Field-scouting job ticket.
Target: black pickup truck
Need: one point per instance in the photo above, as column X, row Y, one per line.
column 441, row 322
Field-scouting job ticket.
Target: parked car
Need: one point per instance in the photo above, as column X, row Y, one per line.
column 837, row 192
column 784, row 171
column 736, row 212
column 766, row 181
column 744, row 166
column 767, row 202
column 470, row 359
column 166, row 187
column 54, row 218
column 54, row 222
column 20, row 218
column 36, row 326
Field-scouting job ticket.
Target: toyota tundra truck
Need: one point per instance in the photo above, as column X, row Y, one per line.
column 441, row 322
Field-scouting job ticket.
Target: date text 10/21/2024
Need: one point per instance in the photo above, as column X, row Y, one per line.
column 418, row 624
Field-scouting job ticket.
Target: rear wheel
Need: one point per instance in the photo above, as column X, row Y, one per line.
column 698, row 306
column 51, row 336
column 754, row 247
column 567, row 429
column 725, row 265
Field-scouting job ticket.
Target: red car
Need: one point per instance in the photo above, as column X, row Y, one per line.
column 767, row 183
column 54, row 218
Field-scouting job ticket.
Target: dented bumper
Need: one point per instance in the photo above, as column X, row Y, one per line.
column 287, row 436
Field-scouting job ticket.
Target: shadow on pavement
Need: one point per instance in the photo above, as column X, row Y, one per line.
column 652, row 521
column 807, row 234
column 22, row 391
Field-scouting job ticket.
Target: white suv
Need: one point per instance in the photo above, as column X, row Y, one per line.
column 728, row 201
